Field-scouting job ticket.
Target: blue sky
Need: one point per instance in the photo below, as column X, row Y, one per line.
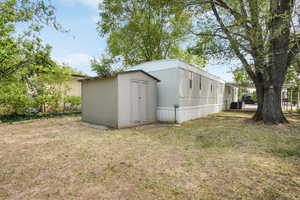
column 82, row 43
column 78, row 46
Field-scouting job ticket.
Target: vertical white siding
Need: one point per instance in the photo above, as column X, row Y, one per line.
column 125, row 98
column 99, row 102
column 174, row 89
column 199, row 100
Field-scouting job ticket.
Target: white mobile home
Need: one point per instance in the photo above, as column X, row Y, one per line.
column 120, row 100
column 187, row 92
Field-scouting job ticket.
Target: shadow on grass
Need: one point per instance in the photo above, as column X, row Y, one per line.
column 231, row 117
column 18, row 118
column 290, row 152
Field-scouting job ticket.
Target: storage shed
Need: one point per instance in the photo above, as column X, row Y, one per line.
column 120, row 100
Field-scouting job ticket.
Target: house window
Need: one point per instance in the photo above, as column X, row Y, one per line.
column 200, row 82
column 211, row 87
column 191, row 80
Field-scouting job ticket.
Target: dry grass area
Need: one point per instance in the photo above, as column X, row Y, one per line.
column 224, row 156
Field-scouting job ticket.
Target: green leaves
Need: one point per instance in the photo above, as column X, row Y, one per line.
column 23, row 57
column 29, row 78
column 24, row 52
column 241, row 77
column 72, row 103
column 42, row 91
column 103, row 66
column 188, row 57
column 139, row 31
column 14, row 98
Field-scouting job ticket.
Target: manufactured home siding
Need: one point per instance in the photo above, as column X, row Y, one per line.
column 177, row 88
column 208, row 92
column 99, row 102
column 200, row 94
column 167, row 93
column 125, row 97
column 168, row 88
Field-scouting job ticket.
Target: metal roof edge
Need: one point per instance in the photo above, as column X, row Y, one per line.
column 203, row 70
column 111, row 76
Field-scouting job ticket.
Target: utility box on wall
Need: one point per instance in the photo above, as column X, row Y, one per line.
column 120, row 100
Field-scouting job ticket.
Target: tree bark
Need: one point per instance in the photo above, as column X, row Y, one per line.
column 260, row 101
column 268, row 46
column 269, row 108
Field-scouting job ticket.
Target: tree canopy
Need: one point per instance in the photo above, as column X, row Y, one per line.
column 24, row 51
column 262, row 34
column 29, row 78
column 139, row 31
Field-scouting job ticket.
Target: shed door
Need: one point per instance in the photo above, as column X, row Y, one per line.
column 143, row 101
column 138, row 102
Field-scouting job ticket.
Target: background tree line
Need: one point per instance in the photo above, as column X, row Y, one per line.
column 140, row 31
column 30, row 81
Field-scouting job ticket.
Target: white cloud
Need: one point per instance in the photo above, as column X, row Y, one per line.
column 91, row 3
column 76, row 59
column 79, row 61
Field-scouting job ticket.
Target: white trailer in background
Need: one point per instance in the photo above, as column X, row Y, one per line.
column 187, row 92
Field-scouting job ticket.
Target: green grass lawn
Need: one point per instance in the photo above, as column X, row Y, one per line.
column 224, row 156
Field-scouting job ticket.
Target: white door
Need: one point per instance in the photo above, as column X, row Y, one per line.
column 143, row 101
column 135, row 118
column 138, row 102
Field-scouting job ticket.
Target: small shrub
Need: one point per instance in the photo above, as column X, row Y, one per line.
column 298, row 110
column 14, row 99
column 49, row 103
column 72, row 103
column 54, row 103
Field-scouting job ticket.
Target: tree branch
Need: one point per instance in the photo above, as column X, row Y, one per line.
column 294, row 50
column 234, row 43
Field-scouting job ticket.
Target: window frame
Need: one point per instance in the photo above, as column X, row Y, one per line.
column 200, row 82
column 190, row 80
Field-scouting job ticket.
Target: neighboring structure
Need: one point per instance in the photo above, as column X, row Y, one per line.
column 290, row 96
column 74, row 85
column 230, row 95
column 121, row 100
column 187, row 92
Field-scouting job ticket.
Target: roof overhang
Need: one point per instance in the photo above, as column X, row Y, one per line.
column 111, row 76
column 79, row 75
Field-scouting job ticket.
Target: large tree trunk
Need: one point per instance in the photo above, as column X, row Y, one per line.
column 271, row 58
column 260, row 101
column 269, row 104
